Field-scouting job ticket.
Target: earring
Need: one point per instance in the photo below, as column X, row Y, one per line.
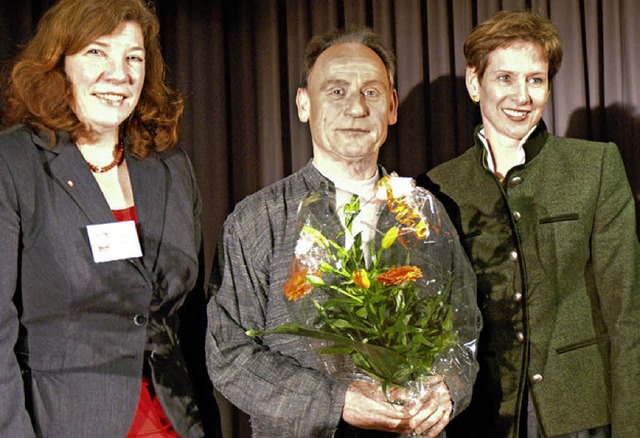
column 475, row 98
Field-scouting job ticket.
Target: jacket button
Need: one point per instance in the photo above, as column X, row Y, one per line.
column 517, row 216
column 517, row 297
column 515, row 180
column 513, row 255
column 140, row 320
column 520, row 337
column 537, row 378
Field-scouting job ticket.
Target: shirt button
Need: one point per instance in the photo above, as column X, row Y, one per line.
column 520, row 337
column 516, row 216
column 537, row 378
column 517, row 297
column 139, row 320
column 515, row 180
column 513, row 256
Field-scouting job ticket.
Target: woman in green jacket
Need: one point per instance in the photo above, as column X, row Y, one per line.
column 549, row 224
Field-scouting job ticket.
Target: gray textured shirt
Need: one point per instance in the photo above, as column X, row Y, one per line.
column 278, row 380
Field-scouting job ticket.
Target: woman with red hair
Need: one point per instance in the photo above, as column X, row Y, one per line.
column 100, row 234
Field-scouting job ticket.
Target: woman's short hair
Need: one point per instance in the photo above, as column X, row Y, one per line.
column 39, row 92
column 359, row 35
column 505, row 28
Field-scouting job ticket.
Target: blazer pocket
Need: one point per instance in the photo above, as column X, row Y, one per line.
column 582, row 344
column 470, row 235
column 560, row 218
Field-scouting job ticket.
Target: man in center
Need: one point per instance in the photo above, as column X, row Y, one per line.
column 348, row 98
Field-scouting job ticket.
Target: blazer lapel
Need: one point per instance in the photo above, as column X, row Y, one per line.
column 149, row 179
column 148, row 182
column 68, row 168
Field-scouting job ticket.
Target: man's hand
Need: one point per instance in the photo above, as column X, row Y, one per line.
column 367, row 407
column 400, row 411
column 435, row 407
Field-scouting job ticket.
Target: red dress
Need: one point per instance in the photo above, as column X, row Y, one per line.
column 149, row 419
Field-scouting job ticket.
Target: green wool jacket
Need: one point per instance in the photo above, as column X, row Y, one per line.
column 557, row 258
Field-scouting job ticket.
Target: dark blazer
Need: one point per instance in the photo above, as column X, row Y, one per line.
column 80, row 329
column 556, row 254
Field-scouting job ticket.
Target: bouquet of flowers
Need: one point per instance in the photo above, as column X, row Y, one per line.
column 398, row 304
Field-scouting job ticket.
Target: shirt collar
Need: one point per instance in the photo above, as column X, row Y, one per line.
column 528, row 148
column 315, row 178
column 489, row 156
column 363, row 188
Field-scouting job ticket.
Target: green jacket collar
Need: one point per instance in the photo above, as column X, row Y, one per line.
column 532, row 146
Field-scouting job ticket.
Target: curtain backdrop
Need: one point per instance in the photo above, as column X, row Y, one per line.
column 237, row 63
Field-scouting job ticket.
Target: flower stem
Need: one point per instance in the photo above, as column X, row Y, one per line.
column 345, row 293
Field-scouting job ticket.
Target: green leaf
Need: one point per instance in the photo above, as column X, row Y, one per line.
column 351, row 210
column 383, row 362
column 336, row 349
column 340, row 323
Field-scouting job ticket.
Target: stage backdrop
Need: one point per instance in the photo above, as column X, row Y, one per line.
column 237, row 63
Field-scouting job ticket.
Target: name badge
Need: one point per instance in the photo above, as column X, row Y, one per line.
column 114, row 241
